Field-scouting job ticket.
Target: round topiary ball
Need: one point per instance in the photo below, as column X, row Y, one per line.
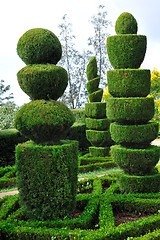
column 43, row 81
column 44, row 122
column 126, row 24
column 39, row 45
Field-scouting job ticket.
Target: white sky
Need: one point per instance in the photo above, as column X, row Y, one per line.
column 18, row 16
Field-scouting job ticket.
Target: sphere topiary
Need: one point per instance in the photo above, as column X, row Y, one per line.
column 126, row 24
column 39, row 45
column 43, row 81
column 129, row 82
column 44, row 121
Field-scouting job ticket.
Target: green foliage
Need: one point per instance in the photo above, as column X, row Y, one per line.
column 44, row 121
column 95, row 110
column 47, row 179
column 96, row 96
column 99, row 138
column 43, row 81
column 139, row 184
column 93, row 84
column 7, row 177
column 38, row 46
column 79, row 114
column 8, row 112
column 9, row 138
column 99, row 151
column 126, row 24
column 3, row 90
column 126, row 51
column 129, row 82
column 140, row 135
column 135, row 161
column 97, row 124
column 130, row 110
column 92, row 69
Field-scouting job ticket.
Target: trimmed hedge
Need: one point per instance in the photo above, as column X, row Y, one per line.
column 79, row 114
column 92, row 69
column 9, row 138
column 99, row 151
column 139, row 184
column 43, row 81
column 96, row 96
column 126, row 50
column 99, row 138
column 135, row 161
column 97, row 124
column 45, row 122
column 126, row 24
column 95, row 110
column 129, row 82
column 130, row 110
column 39, row 45
column 49, row 172
column 140, row 135
column 92, row 85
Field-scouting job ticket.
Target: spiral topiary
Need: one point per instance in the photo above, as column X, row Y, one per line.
column 97, row 124
column 131, row 110
column 47, row 166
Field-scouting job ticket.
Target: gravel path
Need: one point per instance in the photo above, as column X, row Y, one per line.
column 155, row 142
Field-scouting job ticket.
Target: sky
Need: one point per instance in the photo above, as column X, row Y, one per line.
column 18, row 16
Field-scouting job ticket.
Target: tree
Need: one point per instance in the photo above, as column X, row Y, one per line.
column 3, row 91
column 8, row 109
column 98, row 42
column 74, row 63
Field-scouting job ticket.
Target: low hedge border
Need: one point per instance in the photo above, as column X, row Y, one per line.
column 98, row 205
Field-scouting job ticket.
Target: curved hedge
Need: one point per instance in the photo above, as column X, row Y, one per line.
column 134, row 134
column 92, row 85
column 135, row 161
column 95, row 110
column 39, row 45
column 97, row 124
column 126, row 50
column 130, row 110
column 139, row 184
column 43, row 81
column 126, row 24
column 96, row 96
column 99, row 151
column 99, row 138
column 44, row 121
column 128, row 82
column 50, row 173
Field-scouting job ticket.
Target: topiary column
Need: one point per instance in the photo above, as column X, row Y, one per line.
column 96, row 122
column 46, row 166
column 131, row 109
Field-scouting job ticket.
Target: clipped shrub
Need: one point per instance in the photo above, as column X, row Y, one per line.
column 39, row 45
column 9, row 138
column 43, row 81
column 139, row 184
column 79, row 114
column 47, row 179
column 95, row 110
column 44, row 121
column 92, row 69
column 126, row 50
column 130, row 110
column 99, row 138
column 126, row 24
column 134, row 134
column 96, row 96
column 129, row 82
column 97, row 124
column 135, row 161
column 93, row 84
column 99, row 151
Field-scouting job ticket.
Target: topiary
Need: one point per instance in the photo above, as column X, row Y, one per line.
column 39, row 45
column 126, row 24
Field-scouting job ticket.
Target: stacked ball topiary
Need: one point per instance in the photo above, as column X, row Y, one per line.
column 96, row 121
column 131, row 110
column 47, row 166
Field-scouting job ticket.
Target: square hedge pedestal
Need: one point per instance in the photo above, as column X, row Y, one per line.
column 47, row 179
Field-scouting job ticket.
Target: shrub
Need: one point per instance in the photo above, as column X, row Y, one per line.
column 44, row 121
column 95, row 110
column 47, row 179
column 99, row 138
column 79, row 114
column 130, row 110
column 39, row 46
column 128, row 82
column 97, row 124
column 126, row 50
column 43, row 81
column 126, row 24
